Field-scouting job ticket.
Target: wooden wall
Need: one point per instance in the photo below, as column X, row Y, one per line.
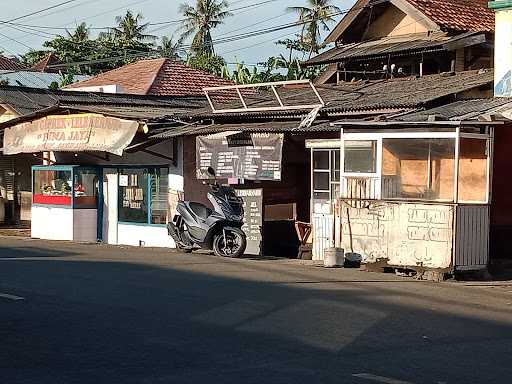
column 501, row 205
column 279, row 237
column 293, row 188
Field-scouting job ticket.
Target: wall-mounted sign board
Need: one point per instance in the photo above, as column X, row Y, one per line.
column 253, row 219
column 70, row 133
column 235, row 157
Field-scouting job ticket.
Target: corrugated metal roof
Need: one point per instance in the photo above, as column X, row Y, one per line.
column 34, row 79
column 398, row 93
column 263, row 127
column 461, row 110
column 28, row 100
column 393, row 45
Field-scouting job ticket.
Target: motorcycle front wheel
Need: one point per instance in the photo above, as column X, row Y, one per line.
column 233, row 246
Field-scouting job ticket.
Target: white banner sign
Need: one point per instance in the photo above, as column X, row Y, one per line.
column 70, row 133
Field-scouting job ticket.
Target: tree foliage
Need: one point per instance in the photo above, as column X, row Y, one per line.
column 169, row 48
column 315, row 17
column 125, row 43
column 206, row 62
column 199, row 21
column 129, row 41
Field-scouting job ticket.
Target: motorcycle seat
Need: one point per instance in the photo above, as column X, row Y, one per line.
column 200, row 210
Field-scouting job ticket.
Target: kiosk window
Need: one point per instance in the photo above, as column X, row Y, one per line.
column 85, row 187
column 360, row 156
column 143, row 195
column 52, row 187
column 421, row 169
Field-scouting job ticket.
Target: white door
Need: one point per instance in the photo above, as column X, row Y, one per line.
column 322, row 234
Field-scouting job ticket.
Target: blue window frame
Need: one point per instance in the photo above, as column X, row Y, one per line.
column 143, row 195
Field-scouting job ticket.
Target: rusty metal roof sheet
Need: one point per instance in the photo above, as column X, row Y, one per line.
column 398, row 93
column 393, row 45
column 460, row 110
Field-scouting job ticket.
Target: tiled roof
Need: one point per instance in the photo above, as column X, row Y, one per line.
column 449, row 15
column 457, row 15
column 178, row 79
column 10, row 64
column 162, row 77
column 253, row 127
column 42, row 65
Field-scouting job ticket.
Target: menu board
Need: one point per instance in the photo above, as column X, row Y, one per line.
column 256, row 159
column 253, row 219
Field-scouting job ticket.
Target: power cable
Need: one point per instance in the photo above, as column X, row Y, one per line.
column 252, row 25
column 249, row 7
column 257, row 44
column 87, row 18
column 39, row 11
column 11, row 25
column 217, row 41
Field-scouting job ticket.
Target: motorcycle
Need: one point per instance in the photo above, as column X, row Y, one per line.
column 196, row 226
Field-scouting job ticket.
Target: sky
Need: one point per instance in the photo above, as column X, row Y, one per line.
column 101, row 13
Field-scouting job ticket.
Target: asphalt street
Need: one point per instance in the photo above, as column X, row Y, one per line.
column 73, row 313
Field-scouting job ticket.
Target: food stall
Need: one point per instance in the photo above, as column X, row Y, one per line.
column 66, row 203
column 405, row 195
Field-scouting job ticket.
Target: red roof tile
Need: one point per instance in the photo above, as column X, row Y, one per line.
column 457, row 15
column 162, row 77
column 42, row 65
column 7, row 64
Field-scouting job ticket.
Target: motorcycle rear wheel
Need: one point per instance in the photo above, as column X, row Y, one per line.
column 236, row 243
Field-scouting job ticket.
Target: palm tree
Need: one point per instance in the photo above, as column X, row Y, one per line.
column 80, row 34
column 169, row 48
column 130, row 30
column 200, row 20
column 313, row 17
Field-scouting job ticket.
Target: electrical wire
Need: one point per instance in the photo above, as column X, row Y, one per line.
column 81, row 20
column 228, row 39
column 248, row 7
column 39, row 11
column 224, row 40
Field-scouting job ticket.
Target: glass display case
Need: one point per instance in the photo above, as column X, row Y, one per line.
column 66, row 186
column 66, row 203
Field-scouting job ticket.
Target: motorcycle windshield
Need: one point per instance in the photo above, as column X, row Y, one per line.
column 230, row 203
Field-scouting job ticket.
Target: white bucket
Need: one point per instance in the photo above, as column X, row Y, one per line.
column 334, row 257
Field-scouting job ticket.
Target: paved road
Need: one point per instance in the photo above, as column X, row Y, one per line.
column 98, row 314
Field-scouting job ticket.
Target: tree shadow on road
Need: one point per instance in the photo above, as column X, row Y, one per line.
column 132, row 322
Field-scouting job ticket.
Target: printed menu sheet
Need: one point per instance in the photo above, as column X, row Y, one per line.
column 256, row 158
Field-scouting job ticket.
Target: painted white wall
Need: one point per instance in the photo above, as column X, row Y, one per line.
column 110, row 197
column 85, row 225
column 130, row 234
column 107, row 88
column 52, row 223
column 152, row 236
column 176, row 180
column 503, row 54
